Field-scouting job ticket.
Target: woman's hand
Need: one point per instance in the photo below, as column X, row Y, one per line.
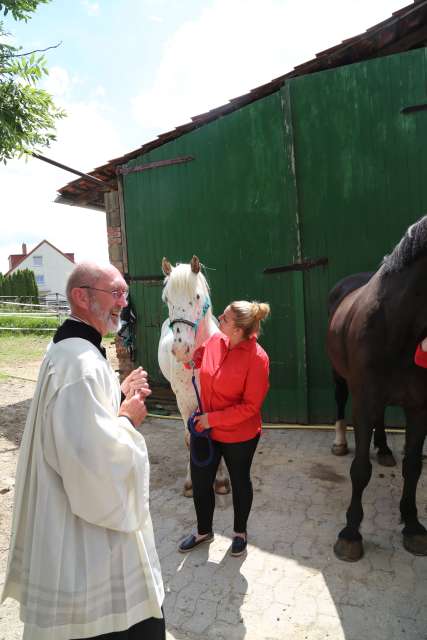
column 136, row 381
column 202, row 422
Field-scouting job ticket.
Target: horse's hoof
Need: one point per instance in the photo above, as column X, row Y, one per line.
column 386, row 459
column 188, row 490
column 222, row 487
column 339, row 449
column 348, row 550
column 416, row 544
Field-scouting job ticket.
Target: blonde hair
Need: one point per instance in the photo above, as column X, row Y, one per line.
column 249, row 315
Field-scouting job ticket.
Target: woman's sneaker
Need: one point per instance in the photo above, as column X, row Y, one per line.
column 190, row 542
column 238, row 546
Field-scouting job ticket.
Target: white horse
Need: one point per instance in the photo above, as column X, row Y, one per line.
column 190, row 323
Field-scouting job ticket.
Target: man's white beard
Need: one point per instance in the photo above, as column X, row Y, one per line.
column 112, row 325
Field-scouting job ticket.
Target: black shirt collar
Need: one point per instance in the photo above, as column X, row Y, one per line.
column 75, row 329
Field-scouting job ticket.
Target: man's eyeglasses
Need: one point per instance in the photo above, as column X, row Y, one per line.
column 116, row 293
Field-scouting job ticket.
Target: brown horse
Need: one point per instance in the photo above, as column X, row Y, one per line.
column 385, row 456
column 371, row 342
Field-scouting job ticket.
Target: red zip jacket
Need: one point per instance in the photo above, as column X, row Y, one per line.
column 234, row 383
column 420, row 357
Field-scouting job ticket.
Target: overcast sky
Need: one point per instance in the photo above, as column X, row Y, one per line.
column 128, row 70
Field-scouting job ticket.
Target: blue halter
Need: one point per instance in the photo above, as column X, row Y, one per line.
column 194, row 325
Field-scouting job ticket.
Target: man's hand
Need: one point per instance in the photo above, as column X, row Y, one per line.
column 136, row 381
column 133, row 407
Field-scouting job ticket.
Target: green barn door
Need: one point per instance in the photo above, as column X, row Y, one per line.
column 361, row 163
column 232, row 204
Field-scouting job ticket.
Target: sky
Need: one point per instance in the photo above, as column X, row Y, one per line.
column 128, row 70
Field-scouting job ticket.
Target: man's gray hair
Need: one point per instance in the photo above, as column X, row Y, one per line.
column 84, row 273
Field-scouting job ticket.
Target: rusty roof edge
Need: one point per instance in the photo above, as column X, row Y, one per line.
column 60, row 199
column 348, row 43
column 251, row 96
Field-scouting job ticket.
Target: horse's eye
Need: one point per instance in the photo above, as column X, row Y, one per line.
column 198, row 297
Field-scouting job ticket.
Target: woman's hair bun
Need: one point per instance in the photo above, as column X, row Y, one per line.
column 260, row 310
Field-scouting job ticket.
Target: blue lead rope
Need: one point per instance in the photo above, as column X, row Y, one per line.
column 191, row 424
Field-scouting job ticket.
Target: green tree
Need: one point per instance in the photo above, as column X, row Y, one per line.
column 33, row 288
column 20, row 286
column 28, row 278
column 13, row 280
column 27, row 113
column 7, row 289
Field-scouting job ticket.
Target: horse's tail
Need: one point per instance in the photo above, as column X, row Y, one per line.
column 344, row 287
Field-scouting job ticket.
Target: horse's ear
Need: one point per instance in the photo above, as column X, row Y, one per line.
column 166, row 267
column 195, row 264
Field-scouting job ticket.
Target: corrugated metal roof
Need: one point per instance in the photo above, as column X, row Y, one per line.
column 405, row 30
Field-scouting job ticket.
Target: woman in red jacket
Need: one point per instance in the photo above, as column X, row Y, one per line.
column 234, row 372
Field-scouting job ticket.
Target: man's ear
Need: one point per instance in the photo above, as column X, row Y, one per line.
column 79, row 298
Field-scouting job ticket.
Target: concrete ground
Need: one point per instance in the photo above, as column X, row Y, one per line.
column 289, row 585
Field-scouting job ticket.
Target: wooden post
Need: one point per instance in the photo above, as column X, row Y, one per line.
column 114, row 232
column 117, row 252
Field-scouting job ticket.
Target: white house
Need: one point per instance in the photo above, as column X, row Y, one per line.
column 51, row 267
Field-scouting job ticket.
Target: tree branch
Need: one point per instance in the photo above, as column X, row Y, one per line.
column 20, row 55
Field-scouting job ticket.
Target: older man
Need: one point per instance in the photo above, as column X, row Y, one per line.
column 82, row 560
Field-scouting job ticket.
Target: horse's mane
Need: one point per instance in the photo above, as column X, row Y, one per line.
column 182, row 282
column 412, row 246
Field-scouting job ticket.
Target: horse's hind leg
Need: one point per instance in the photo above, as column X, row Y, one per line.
column 385, row 455
column 339, row 447
column 222, row 483
column 349, row 546
column 414, row 533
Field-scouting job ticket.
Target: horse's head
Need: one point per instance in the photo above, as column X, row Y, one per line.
column 186, row 293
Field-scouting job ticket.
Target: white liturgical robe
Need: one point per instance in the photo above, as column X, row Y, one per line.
column 82, row 560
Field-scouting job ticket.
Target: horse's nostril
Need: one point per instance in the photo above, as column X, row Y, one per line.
column 187, row 350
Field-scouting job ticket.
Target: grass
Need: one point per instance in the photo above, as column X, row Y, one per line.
column 20, row 348
column 28, row 323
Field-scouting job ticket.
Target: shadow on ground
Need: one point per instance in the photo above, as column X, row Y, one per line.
column 290, row 585
column 12, row 419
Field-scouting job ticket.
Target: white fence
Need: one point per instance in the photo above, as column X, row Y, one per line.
column 53, row 306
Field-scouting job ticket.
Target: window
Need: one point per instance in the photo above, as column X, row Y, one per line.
column 40, row 279
column 38, row 261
